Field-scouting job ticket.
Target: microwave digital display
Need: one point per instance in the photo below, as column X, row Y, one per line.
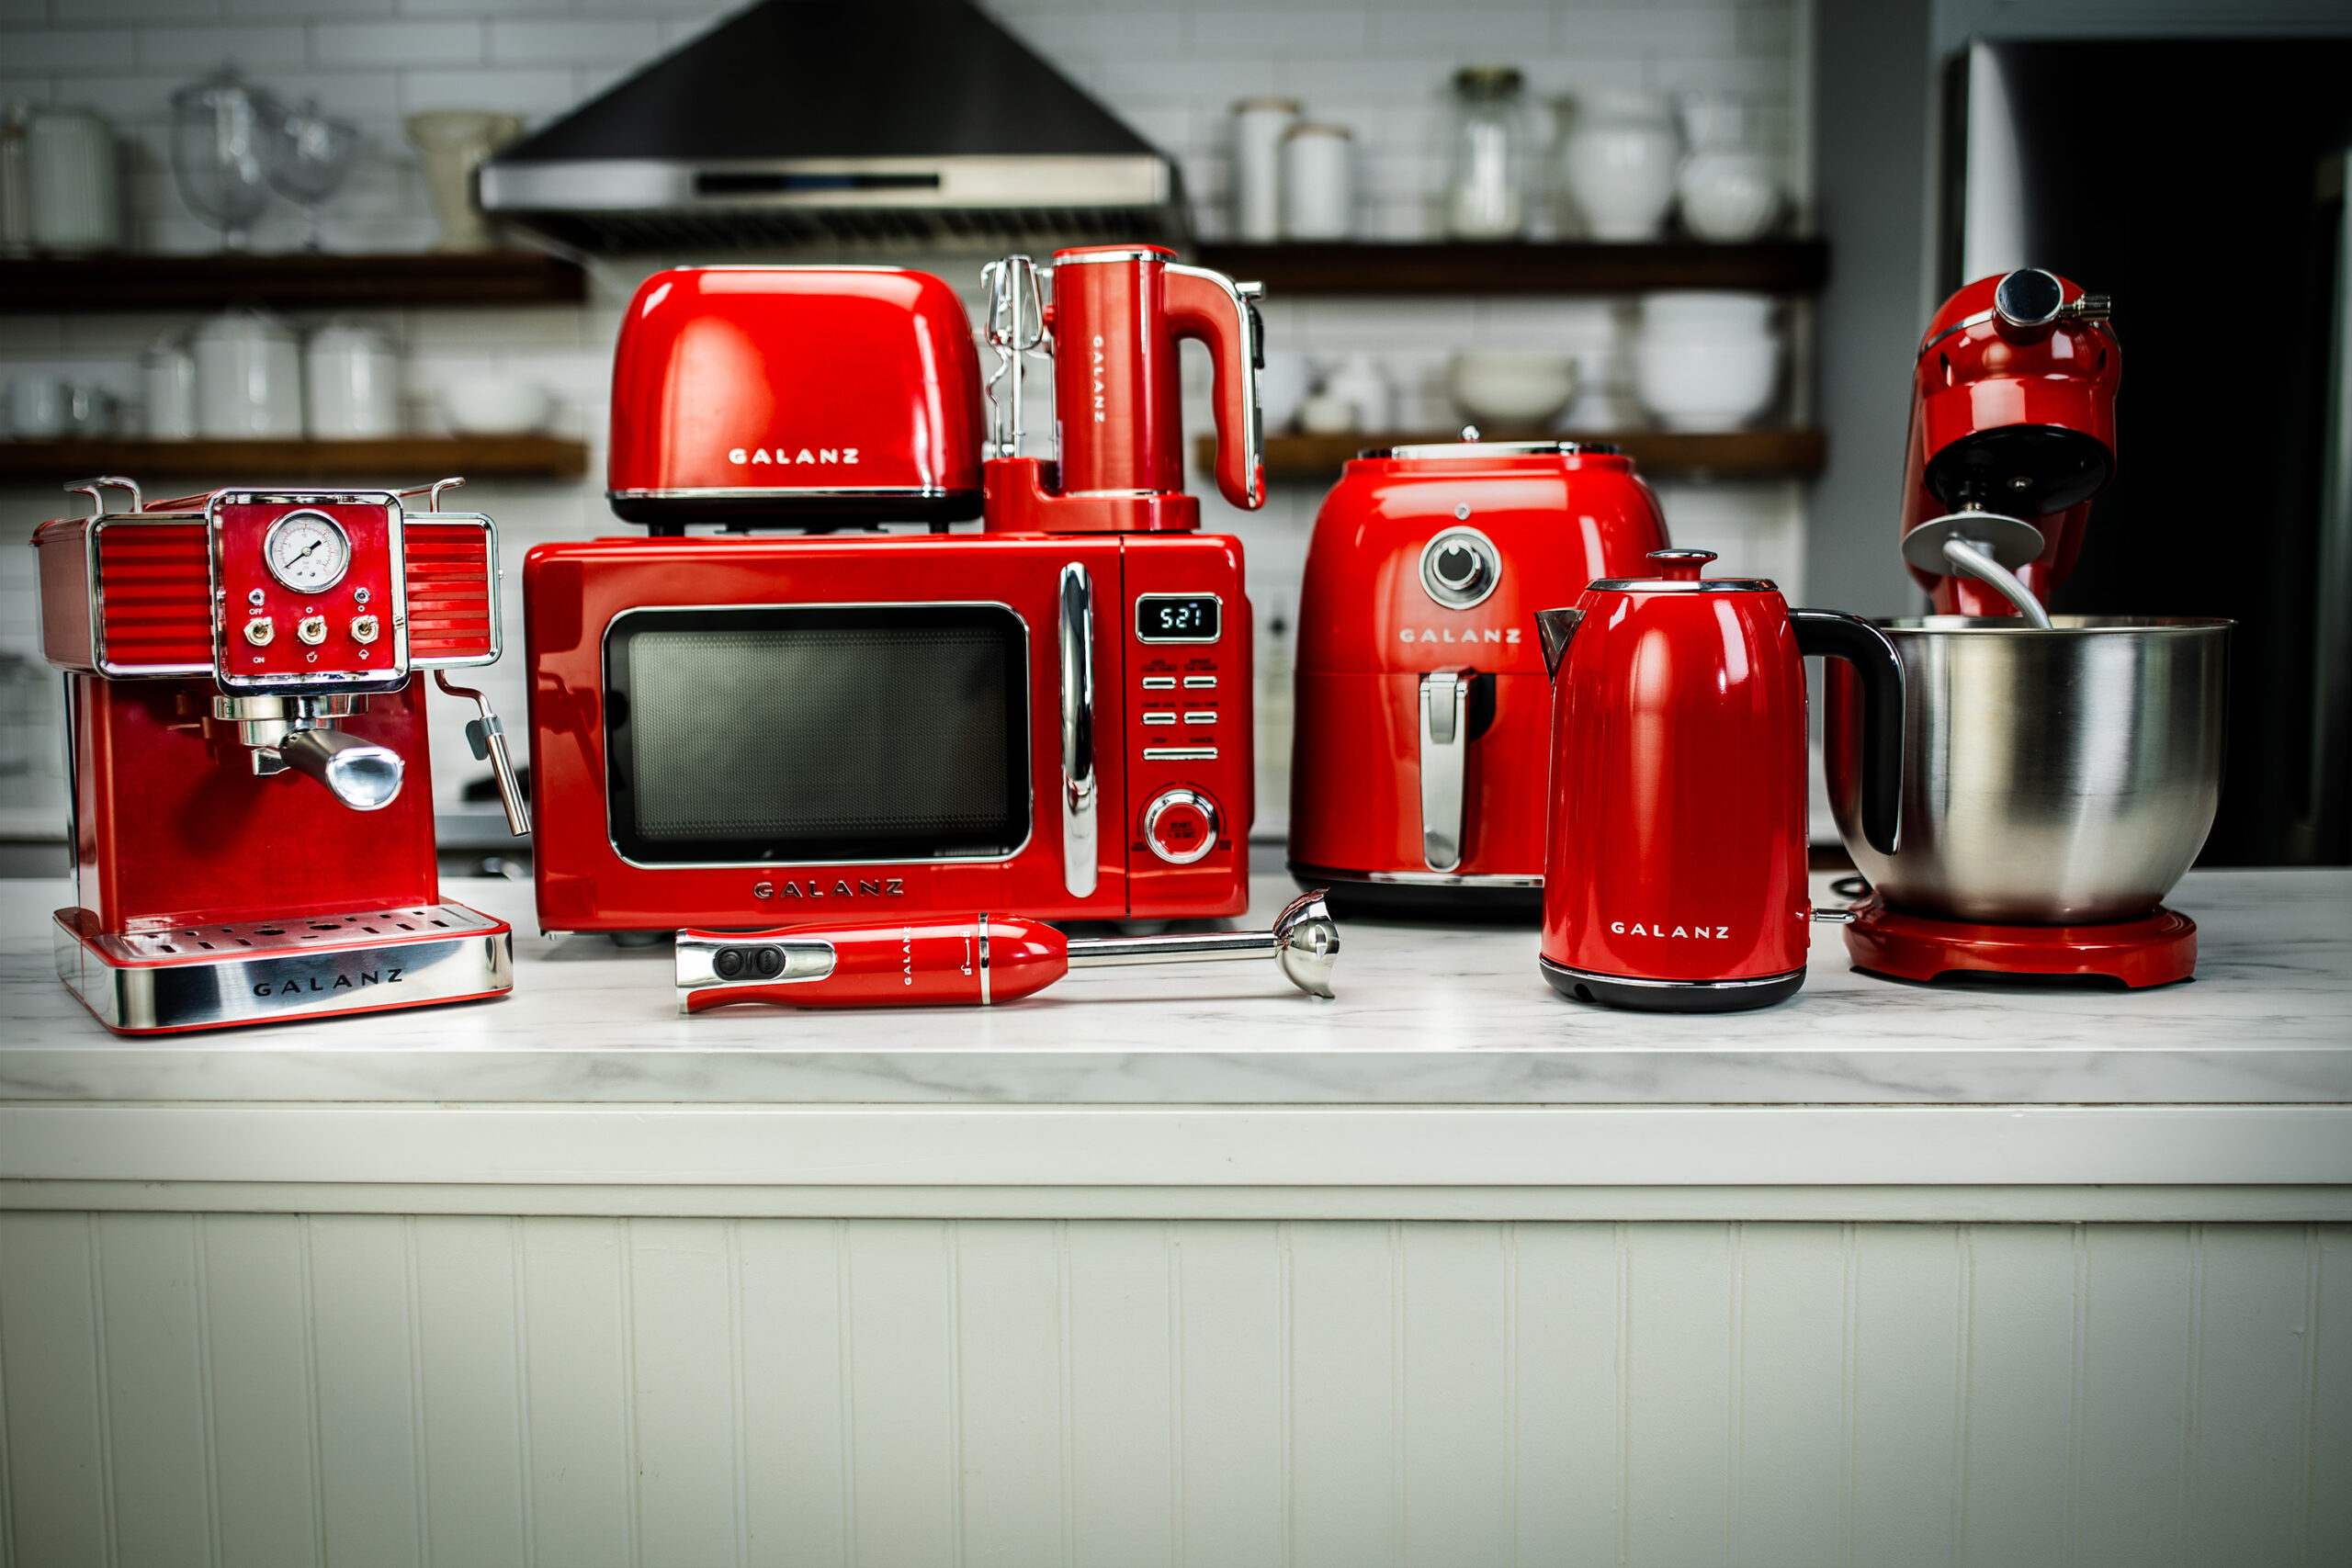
column 1176, row 617
column 790, row 733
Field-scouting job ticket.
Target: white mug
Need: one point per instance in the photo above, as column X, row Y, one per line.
column 248, row 377
column 37, row 407
column 351, row 384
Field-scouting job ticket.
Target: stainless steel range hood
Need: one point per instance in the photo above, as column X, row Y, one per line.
column 814, row 121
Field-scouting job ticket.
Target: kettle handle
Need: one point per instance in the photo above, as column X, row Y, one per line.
column 1213, row 309
column 1827, row 633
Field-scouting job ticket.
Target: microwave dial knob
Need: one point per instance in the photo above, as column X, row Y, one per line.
column 1459, row 568
column 1180, row 826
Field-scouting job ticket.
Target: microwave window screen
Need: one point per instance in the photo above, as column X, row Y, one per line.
column 882, row 733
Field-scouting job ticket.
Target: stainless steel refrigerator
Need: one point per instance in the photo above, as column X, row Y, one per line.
column 2201, row 182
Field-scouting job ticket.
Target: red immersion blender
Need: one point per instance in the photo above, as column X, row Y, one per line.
column 968, row 961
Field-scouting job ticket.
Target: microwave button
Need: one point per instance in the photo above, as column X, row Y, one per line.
column 1180, row 826
column 1198, row 683
column 1159, row 682
column 1160, row 716
column 1180, row 754
column 1199, row 715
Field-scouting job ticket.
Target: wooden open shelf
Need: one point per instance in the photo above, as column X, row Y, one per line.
column 1769, row 266
column 399, row 461
column 299, row 280
column 1658, row 454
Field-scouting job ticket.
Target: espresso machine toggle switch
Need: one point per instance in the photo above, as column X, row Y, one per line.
column 311, row 629
column 261, row 631
column 364, row 628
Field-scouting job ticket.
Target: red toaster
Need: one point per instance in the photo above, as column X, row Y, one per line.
column 1423, row 712
column 803, row 396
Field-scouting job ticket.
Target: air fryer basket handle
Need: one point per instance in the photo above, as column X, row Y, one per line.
column 1828, row 635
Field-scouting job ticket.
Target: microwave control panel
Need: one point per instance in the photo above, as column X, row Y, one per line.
column 1189, row 762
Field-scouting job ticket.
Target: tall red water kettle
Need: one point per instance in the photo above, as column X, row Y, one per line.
column 1674, row 874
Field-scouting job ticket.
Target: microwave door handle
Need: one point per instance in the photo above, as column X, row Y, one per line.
column 1445, row 745
column 1080, row 828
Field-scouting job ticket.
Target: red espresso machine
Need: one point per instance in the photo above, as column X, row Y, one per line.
column 2012, row 433
column 1423, row 715
column 252, row 798
column 1674, row 878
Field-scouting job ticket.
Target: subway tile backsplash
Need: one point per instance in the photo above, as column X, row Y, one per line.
column 1170, row 68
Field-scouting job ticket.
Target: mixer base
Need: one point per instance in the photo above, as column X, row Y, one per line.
column 2155, row 950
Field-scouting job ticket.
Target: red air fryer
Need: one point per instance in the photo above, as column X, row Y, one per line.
column 808, row 397
column 1675, row 876
column 1111, row 327
column 2012, row 433
column 1423, row 719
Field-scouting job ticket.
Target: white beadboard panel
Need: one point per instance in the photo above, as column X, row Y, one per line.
column 796, row 1502
column 2022, row 1292
column 1237, row 1459
column 1346, row 1378
column 1680, row 1410
column 52, row 1375
column 1906, row 1369
column 578, row 1391
column 370, row 1389
column 2250, row 1393
column 1120, row 1324
column 577, row 1385
column 2136, row 1319
column 686, row 1369
column 464, row 1273
column 1453, row 1297
column 156, row 1418
column 1795, row 1330
column 1012, row 1392
column 1568, row 1390
column 902, row 1385
column 258, row 1367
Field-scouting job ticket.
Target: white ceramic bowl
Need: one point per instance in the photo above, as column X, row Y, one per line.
column 1513, row 386
column 1708, row 314
column 1694, row 384
column 494, row 405
column 1729, row 198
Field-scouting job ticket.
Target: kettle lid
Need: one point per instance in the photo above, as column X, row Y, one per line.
column 1679, row 573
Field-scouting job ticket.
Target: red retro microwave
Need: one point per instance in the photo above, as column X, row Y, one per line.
column 749, row 732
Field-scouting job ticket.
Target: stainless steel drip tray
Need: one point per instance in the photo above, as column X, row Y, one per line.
column 209, row 976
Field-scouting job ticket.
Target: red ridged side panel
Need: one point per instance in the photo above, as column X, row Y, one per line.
column 450, row 579
column 155, row 584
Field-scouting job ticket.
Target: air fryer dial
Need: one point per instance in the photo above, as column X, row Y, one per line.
column 1459, row 568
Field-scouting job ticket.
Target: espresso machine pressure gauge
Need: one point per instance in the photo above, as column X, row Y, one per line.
column 307, row 551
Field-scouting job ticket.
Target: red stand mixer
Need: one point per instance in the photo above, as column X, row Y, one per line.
column 251, row 804
column 1112, row 330
column 2060, row 775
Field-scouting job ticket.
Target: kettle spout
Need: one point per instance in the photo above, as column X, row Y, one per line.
column 1554, row 628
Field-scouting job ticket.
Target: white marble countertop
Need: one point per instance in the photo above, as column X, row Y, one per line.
column 1445, row 1060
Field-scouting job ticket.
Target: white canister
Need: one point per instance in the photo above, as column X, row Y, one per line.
column 73, row 198
column 37, row 407
column 1359, row 381
column 1259, row 127
column 248, row 377
column 1318, row 183
column 168, row 373
column 1618, row 164
column 351, row 384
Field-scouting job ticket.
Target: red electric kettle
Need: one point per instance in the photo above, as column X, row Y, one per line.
column 1674, row 873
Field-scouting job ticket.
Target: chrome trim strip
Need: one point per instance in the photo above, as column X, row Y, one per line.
column 1414, row 879
column 1138, row 253
column 139, row 983
column 984, row 959
column 603, row 662
column 1081, row 827
column 1422, row 451
column 770, row 492
column 1761, row 980
column 1678, row 585
column 672, row 185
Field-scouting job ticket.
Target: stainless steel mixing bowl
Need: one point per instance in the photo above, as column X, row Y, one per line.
column 2057, row 777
